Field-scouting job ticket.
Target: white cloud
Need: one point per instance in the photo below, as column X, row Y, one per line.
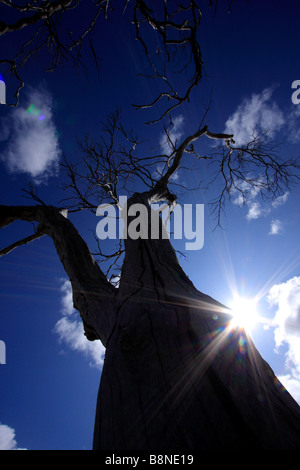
column 174, row 133
column 253, row 115
column 276, row 227
column 71, row 332
column 279, row 201
column 260, row 113
column 285, row 297
column 292, row 383
column 254, row 211
column 247, row 196
column 32, row 145
column 7, row 438
column 293, row 122
column 246, row 193
column 67, row 298
column 168, row 141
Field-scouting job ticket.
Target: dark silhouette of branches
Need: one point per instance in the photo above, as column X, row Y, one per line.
column 113, row 166
column 45, row 25
column 107, row 168
column 23, row 241
column 176, row 26
column 174, row 49
column 177, row 34
column 256, row 166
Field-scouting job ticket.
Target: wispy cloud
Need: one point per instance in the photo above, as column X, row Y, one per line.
column 248, row 197
column 247, row 193
column 255, row 114
column 168, row 141
column 70, row 330
column 293, row 124
column 31, row 139
column 67, row 298
column 7, row 438
column 260, row 113
column 276, row 227
column 255, row 211
column 285, row 298
column 172, row 135
column 280, row 200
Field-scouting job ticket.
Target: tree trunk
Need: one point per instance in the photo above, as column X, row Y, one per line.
column 175, row 376
column 93, row 295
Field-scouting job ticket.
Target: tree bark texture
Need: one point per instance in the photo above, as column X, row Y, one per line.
column 93, row 295
column 175, row 376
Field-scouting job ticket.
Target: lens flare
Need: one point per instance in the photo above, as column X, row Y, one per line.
column 32, row 109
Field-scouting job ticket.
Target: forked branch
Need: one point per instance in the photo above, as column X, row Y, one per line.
column 40, row 21
column 176, row 29
column 257, row 166
column 89, row 285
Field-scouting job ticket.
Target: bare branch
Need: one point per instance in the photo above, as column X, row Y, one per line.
column 24, row 241
column 89, row 284
column 175, row 50
column 40, row 20
column 41, row 13
column 32, row 193
column 108, row 168
column 112, row 258
column 255, row 165
column 178, row 35
column 160, row 190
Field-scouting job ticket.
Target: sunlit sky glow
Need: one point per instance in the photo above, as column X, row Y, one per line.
column 244, row 312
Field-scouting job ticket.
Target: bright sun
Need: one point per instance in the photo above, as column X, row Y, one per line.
column 244, row 313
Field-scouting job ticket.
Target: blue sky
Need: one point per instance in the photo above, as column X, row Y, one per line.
column 50, row 381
